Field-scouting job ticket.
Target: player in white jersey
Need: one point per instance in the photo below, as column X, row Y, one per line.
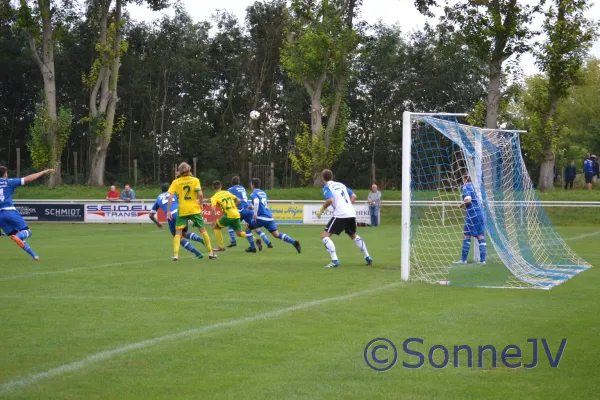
column 338, row 196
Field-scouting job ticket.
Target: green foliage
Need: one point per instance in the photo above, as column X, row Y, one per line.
column 39, row 143
column 312, row 155
column 48, row 138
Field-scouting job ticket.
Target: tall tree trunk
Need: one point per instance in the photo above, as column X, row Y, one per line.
column 546, row 180
column 108, row 101
column 493, row 95
column 46, row 66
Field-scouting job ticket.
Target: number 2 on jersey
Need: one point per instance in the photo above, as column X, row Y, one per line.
column 187, row 193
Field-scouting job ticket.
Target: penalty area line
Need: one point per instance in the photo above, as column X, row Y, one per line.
column 583, row 236
column 85, row 362
column 150, row 299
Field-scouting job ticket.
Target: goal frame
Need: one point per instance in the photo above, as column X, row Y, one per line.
column 407, row 119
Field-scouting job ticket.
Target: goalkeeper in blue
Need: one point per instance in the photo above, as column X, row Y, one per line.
column 246, row 215
column 262, row 216
column 11, row 222
column 162, row 202
column 474, row 222
column 342, row 199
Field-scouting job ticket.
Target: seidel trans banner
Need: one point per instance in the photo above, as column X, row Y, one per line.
column 128, row 213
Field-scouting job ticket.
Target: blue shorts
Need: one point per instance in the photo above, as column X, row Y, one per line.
column 11, row 222
column 474, row 225
column 246, row 215
column 259, row 223
column 173, row 223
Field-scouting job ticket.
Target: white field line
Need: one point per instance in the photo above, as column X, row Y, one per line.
column 85, row 362
column 66, row 271
column 584, row 236
column 129, row 298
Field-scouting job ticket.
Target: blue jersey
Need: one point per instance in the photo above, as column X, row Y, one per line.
column 240, row 192
column 261, row 207
column 588, row 167
column 469, row 190
column 7, row 189
column 162, row 201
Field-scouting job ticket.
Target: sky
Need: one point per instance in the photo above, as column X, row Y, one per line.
column 402, row 12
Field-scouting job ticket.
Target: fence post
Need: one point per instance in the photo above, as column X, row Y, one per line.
column 75, row 165
column 439, row 177
column 18, row 161
column 195, row 166
column 272, row 175
column 135, row 172
column 249, row 171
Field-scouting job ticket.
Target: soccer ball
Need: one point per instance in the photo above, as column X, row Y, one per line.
column 254, row 114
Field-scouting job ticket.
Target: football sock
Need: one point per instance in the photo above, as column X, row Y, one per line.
column 286, row 238
column 188, row 246
column 330, row 247
column 176, row 242
column 194, row 237
column 263, row 236
column 482, row 249
column 250, row 238
column 361, row 245
column 465, row 249
column 231, row 234
column 219, row 236
column 207, row 242
column 24, row 234
column 23, row 244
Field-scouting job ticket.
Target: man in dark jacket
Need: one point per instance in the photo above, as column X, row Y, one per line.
column 570, row 174
column 596, row 168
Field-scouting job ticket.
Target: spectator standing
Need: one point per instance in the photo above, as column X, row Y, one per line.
column 588, row 171
column 128, row 194
column 570, row 174
column 596, row 168
column 113, row 194
column 374, row 200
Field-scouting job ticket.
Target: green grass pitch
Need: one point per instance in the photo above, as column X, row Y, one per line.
column 107, row 315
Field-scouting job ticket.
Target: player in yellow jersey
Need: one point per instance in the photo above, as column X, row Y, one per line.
column 189, row 193
column 231, row 216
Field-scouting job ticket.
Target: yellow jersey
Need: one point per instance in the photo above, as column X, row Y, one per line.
column 227, row 202
column 187, row 188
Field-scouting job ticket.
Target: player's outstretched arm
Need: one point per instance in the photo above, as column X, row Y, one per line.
column 353, row 198
column 169, row 204
column 37, row 175
column 153, row 218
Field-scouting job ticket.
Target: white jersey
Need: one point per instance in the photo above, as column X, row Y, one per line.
column 342, row 205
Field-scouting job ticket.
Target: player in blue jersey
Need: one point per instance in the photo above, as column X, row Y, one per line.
column 262, row 216
column 162, row 202
column 338, row 196
column 474, row 222
column 11, row 222
column 246, row 215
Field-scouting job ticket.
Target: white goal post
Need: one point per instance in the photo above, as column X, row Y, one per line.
column 520, row 247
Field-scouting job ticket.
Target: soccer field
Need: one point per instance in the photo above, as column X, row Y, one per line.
column 106, row 314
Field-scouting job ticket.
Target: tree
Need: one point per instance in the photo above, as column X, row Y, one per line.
column 570, row 36
column 102, row 81
column 495, row 30
column 52, row 126
column 320, row 41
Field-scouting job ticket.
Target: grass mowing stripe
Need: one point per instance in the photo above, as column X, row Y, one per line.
column 125, row 298
column 9, row 386
column 66, row 271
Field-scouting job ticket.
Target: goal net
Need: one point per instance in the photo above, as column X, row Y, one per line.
column 441, row 156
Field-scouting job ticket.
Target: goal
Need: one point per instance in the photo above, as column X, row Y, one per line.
column 523, row 248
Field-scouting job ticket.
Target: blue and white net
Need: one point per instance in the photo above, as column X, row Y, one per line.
column 524, row 249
